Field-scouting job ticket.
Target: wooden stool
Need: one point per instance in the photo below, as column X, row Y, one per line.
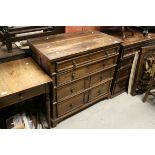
column 150, row 87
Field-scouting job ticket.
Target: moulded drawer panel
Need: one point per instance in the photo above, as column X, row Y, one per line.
column 70, row 104
column 84, row 59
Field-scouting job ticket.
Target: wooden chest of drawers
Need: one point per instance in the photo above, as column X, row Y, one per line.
column 81, row 65
column 127, row 51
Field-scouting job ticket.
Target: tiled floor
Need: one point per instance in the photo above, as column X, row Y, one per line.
column 123, row 111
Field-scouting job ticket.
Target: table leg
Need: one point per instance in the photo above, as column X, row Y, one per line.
column 48, row 109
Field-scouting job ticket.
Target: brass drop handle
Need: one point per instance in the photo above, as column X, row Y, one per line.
column 72, row 90
column 73, row 76
column 71, row 105
column 106, row 53
column 74, row 63
column 103, row 64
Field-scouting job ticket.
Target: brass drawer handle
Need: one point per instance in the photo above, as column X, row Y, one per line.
column 103, row 64
column 106, row 53
column 73, row 76
column 74, row 63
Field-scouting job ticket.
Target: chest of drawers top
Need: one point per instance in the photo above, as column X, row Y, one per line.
column 137, row 38
column 67, row 45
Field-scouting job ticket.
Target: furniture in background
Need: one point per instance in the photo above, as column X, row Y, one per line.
column 19, row 33
column 16, row 54
column 21, row 80
column 143, row 75
column 150, row 87
column 145, row 71
column 144, row 29
column 123, row 31
column 81, row 65
column 129, row 47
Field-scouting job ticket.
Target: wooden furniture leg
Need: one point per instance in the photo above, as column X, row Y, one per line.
column 150, row 85
column 8, row 41
column 48, row 110
column 123, row 32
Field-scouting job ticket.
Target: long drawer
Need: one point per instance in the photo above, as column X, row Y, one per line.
column 21, row 96
column 84, row 59
column 79, row 85
column 85, row 70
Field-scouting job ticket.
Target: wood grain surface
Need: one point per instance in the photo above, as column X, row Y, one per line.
column 19, row 75
column 67, row 44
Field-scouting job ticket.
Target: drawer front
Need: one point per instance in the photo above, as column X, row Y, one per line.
column 99, row 90
column 21, row 96
column 101, row 76
column 74, row 62
column 124, row 72
column 70, row 76
column 121, row 85
column 131, row 51
column 128, row 52
column 85, row 71
column 70, row 89
column 126, row 61
column 70, row 104
column 102, row 64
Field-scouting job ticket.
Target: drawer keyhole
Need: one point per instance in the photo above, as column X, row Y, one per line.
column 71, row 106
column 72, row 90
column 99, row 92
column 20, row 96
column 101, row 77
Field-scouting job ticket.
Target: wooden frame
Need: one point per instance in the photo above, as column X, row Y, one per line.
column 144, row 53
column 10, row 33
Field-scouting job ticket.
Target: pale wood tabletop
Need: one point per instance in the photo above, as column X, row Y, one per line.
column 19, row 75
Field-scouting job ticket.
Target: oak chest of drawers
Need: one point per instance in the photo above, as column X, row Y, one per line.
column 129, row 46
column 81, row 65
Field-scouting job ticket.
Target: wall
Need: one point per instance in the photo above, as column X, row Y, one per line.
column 82, row 28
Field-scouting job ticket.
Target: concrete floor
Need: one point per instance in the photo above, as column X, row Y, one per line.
column 123, row 111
